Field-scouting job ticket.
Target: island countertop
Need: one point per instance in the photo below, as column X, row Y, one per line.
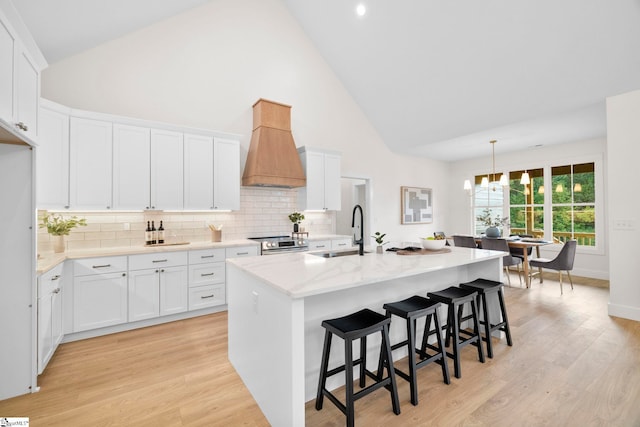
column 301, row 275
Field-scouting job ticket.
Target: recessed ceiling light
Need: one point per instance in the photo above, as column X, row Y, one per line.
column 361, row 10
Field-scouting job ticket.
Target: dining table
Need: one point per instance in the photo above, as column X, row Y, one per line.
column 525, row 243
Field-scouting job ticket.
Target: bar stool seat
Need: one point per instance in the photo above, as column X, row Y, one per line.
column 486, row 287
column 355, row 326
column 455, row 298
column 412, row 309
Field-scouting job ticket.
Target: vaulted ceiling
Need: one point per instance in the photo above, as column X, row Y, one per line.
column 438, row 79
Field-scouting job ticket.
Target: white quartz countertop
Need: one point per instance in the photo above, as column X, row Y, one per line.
column 48, row 261
column 300, row 275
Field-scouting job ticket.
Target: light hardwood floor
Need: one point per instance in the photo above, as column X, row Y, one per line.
column 570, row 365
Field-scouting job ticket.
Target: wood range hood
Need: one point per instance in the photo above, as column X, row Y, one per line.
column 273, row 159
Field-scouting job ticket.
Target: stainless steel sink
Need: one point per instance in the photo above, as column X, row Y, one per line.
column 336, row 254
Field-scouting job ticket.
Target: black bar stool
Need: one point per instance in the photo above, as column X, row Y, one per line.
column 485, row 287
column 411, row 309
column 455, row 298
column 352, row 327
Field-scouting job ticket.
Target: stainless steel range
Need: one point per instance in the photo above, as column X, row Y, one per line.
column 281, row 244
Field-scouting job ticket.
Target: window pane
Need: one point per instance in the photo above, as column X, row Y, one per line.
column 520, row 194
column 584, row 225
column 584, row 183
column 561, row 184
column 527, row 220
column 562, row 220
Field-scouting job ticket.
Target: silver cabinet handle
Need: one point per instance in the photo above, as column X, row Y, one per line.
column 207, row 296
column 56, row 277
column 207, row 256
column 159, row 260
column 342, row 244
column 22, row 126
column 320, row 246
column 56, row 291
column 242, row 253
column 207, row 274
column 102, row 266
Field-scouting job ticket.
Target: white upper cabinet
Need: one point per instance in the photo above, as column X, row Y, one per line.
column 322, row 170
column 198, row 172
column 7, row 58
column 90, row 146
column 52, row 160
column 166, row 169
column 19, row 84
column 131, row 167
column 226, row 180
column 212, row 173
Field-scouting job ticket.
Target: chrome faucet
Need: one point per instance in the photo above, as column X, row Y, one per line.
column 360, row 242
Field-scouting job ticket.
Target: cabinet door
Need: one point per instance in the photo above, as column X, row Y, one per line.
column 99, row 301
column 7, row 58
column 198, row 172
column 144, row 300
column 27, row 95
column 226, row 181
column 166, row 169
column 131, row 167
column 332, row 185
column 52, row 161
column 57, row 331
column 174, row 290
column 206, row 296
column 314, row 191
column 45, row 344
column 341, row 244
column 90, row 146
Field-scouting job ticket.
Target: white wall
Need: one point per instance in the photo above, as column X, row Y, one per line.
column 623, row 135
column 588, row 263
column 206, row 68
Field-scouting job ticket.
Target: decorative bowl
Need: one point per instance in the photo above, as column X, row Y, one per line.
column 432, row 244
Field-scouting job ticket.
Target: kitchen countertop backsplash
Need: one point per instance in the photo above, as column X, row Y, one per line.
column 263, row 211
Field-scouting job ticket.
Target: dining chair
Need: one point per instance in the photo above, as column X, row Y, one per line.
column 519, row 252
column 507, row 260
column 562, row 262
column 465, row 242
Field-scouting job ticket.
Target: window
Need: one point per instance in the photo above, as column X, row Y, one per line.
column 573, row 203
column 526, row 203
column 490, row 197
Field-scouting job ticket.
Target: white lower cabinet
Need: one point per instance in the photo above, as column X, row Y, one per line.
column 159, row 290
column 241, row 251
column 206, row 278
column 317, row 245
column 341, row 244
column 99, row 301
column 50, row 333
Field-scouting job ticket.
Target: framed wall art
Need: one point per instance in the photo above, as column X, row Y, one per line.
column 417, row 205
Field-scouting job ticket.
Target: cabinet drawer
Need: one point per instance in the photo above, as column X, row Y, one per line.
column 320, row 245
column 201, row 274
column 84, row 267
column 51, row 280
column 242, row 251
column 206, row 296
column 341, row 244
column 206, row 256
column 164, row 259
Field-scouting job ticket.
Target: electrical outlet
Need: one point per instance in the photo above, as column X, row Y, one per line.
column 254, row 295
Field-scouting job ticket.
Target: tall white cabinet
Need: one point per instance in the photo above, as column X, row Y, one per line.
column 322, row 170
column 52, row 158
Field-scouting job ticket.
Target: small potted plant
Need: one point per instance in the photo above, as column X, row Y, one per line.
column 296, row 218
column 492, row 224
column 59, row 227
column 379, row 238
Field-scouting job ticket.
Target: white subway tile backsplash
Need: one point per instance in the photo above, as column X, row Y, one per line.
column 263, row 211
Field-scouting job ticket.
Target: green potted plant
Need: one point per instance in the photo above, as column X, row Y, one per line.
column 379, row 238
column 296, row 218
column 59, row 227
column 493, row 224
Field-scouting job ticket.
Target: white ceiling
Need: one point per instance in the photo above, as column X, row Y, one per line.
column 438, row 79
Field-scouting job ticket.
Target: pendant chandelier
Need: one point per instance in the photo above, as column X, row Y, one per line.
column 504, row 181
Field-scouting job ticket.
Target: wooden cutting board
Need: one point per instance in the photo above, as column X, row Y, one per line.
column 424, row 252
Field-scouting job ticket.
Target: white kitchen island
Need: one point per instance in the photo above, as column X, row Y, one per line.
column 277, row 303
